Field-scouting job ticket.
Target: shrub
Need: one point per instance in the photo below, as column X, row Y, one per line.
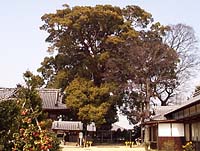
column 188, row 147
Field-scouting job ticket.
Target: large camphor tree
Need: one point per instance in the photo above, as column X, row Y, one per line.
column 87, row 41
column 102, row 49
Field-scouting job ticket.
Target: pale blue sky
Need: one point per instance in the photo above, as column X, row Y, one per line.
column 23, row 44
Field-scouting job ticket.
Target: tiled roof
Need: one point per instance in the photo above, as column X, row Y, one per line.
column 7, row 93
column 67, row 125
column 78, row 125
column 72, row 126
column 51, row 99
column 160, row 111
column 195, row 99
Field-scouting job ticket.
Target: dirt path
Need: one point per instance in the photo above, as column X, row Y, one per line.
column 102, row 148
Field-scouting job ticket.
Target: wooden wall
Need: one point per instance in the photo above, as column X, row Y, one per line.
column 171, row 143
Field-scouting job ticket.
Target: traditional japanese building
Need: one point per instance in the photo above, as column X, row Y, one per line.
column 173, row 126
column 189, row 115
column 52, row 103
column 7, row 93
column 158, row 130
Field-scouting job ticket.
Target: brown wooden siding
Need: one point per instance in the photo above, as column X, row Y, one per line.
column 171, row 143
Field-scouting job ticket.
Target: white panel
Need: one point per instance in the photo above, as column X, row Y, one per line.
column 177, row 129
column 91, row 127
column 164, row 129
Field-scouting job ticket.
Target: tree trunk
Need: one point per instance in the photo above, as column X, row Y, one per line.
column 146, row 108
column 163, row 103
column 147, row 99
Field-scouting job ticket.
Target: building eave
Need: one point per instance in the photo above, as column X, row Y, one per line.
column 159, row 121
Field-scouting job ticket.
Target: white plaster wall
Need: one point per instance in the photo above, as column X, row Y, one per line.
column 177, row 129
column 164, row 129
column 170, row 129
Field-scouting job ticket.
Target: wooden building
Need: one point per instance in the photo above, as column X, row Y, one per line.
column 52, row 103
column 189, row 115
column 69, row 130
column 7, row 93
column 173, row 126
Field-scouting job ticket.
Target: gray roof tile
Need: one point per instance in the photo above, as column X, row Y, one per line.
column 160, row 111
column 51, row 99
column 193, row 100
column 67, row 125
column 7, row 93
column 72, row 126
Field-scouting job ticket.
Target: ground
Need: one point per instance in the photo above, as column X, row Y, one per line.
column 102, row 148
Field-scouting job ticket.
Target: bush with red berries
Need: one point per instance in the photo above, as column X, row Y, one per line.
column 34, row 135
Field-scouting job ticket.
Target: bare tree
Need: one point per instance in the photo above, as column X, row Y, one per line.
column 182, row 39
column 152, row 64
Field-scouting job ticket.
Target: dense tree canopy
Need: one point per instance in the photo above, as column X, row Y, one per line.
column 104, row 45
column 91, row 103
column 86, row 42
column 86, row 39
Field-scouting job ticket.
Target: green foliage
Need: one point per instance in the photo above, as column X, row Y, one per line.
column 9, row 122
column 85, row 39
column 32, row 81
column 91, row 103
column 60, row 80
column 137, row 16
column 88, row 43
column 105, row 45
column 22, row 124
column 33, row 135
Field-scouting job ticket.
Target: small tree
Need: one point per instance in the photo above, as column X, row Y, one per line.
column 32, row 133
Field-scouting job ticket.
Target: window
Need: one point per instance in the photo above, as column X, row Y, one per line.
column 171, row 129
column 164, row 129
column 175, row 115
column 177, row 129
